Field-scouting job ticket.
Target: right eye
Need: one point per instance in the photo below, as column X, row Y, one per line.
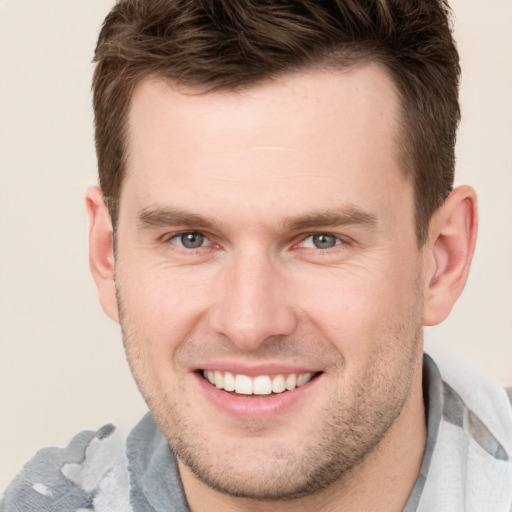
column 321, row 241
column 190, row 240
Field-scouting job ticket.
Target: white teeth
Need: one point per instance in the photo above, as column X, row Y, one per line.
column 291, row 381
column 229, row 382
column 261, row 385
column 278, row 385
column 243, row 385
column 303, row 378
column 219, row 380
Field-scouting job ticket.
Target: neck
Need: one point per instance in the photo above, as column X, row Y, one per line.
column 382, row 482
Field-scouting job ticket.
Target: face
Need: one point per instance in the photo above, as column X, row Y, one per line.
column 268, row 276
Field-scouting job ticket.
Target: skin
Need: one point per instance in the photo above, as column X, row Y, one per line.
column 258, row 173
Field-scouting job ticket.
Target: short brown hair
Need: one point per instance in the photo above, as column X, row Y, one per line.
column 228, row 44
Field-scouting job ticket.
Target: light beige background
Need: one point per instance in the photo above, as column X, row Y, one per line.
column 62, row 368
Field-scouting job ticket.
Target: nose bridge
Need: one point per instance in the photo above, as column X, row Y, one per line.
column 253, row 305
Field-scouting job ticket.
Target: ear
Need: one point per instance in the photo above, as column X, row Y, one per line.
column 449, row 252
column 101, row 251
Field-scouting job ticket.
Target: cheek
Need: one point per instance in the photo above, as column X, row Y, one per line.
column 360, row 310
column 160, row 306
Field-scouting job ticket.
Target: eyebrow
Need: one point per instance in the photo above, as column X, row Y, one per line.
column 350, row 215
column 165, row 217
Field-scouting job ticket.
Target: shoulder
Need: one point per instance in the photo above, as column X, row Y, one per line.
column 509, row 394
column 466, row 389
column 91, row 470
column 471, row 446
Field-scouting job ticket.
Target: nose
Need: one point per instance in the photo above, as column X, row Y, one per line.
column 253, row 305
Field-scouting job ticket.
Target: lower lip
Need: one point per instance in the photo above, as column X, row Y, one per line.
column 255, row 407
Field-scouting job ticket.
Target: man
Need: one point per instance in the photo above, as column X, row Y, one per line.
column 276, row 222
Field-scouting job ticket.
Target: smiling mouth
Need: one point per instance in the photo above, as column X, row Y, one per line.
column 260, row 385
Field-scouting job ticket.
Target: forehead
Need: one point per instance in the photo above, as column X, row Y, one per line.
column 360, row 97
column 296, row 136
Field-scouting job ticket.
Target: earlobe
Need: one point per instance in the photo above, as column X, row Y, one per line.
column 101, row 251
column 449, row 253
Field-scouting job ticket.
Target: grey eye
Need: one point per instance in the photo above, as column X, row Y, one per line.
column 321, row 241
column 191, row 240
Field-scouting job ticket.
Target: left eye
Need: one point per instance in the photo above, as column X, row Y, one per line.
column 321, row 241
column 191, row 240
